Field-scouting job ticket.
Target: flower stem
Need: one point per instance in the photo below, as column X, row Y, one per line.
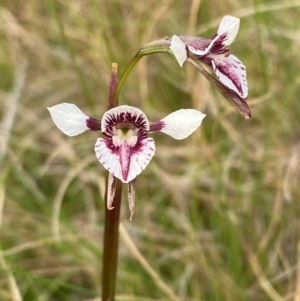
column 157, row 46
column 113, row 196
column 110, row 248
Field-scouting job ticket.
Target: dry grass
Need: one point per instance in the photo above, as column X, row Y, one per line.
column 217, row 215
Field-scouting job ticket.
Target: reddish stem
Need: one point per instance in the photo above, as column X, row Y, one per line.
column 110, row 248
column 112, row 217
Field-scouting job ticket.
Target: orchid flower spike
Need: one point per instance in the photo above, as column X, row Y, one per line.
column 214, row 52
column 125, row 150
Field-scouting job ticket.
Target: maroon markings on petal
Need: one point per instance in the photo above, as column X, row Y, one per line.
column 137, row 120
column 124, row 115
column 126, row 159
column 156, row 126
column 218, row 46
column 113, row 148
column 141, row 155
column 199, row 47
column 125, row 154
column 93, row 124
column 196, row 44
column 232, row 73
column 238, row 102
column 108, row 156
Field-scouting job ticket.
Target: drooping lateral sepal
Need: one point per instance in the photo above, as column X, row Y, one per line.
column 131, row 197
column 111, row 190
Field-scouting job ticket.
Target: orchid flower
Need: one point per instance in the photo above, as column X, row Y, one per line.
column 125, row 150
column 214, row 52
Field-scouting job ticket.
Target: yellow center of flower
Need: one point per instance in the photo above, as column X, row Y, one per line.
column 124, row 134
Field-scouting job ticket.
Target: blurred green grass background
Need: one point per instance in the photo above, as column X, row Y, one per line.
column 217, row 215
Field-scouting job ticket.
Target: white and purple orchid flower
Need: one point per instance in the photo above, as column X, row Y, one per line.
column 126, row 149
column 214, row 52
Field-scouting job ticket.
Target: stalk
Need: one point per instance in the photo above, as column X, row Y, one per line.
column 110, row 247
column 157, row 46
column 112, row 216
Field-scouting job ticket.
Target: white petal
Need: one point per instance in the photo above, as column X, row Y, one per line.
column 69, row 118
column 140, row 157
column 182, row 123
column 178, row 48
column 232, row 73
column 229, row 25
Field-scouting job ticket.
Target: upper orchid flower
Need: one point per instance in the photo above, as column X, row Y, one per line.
column 215, row 53
column 126, row 149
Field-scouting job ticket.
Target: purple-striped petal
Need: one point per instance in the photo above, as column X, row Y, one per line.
column 123, row 161
column 108, row 156
column 141, row 156
column 232, row 73
column 229, row 26
column 179, row 124
column 234, row 98
column 71, row 120
column 200, row 47
column 189, row 46
column 124, row 116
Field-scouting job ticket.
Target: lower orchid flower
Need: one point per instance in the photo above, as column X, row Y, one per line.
column 214, row 52
column 125, row 150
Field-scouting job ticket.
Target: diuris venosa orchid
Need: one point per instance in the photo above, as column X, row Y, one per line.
column 214, row 52
column 125, row 150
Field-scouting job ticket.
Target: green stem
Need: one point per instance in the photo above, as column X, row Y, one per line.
column 110, row 248
column 125, row 74
column 158, row 46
